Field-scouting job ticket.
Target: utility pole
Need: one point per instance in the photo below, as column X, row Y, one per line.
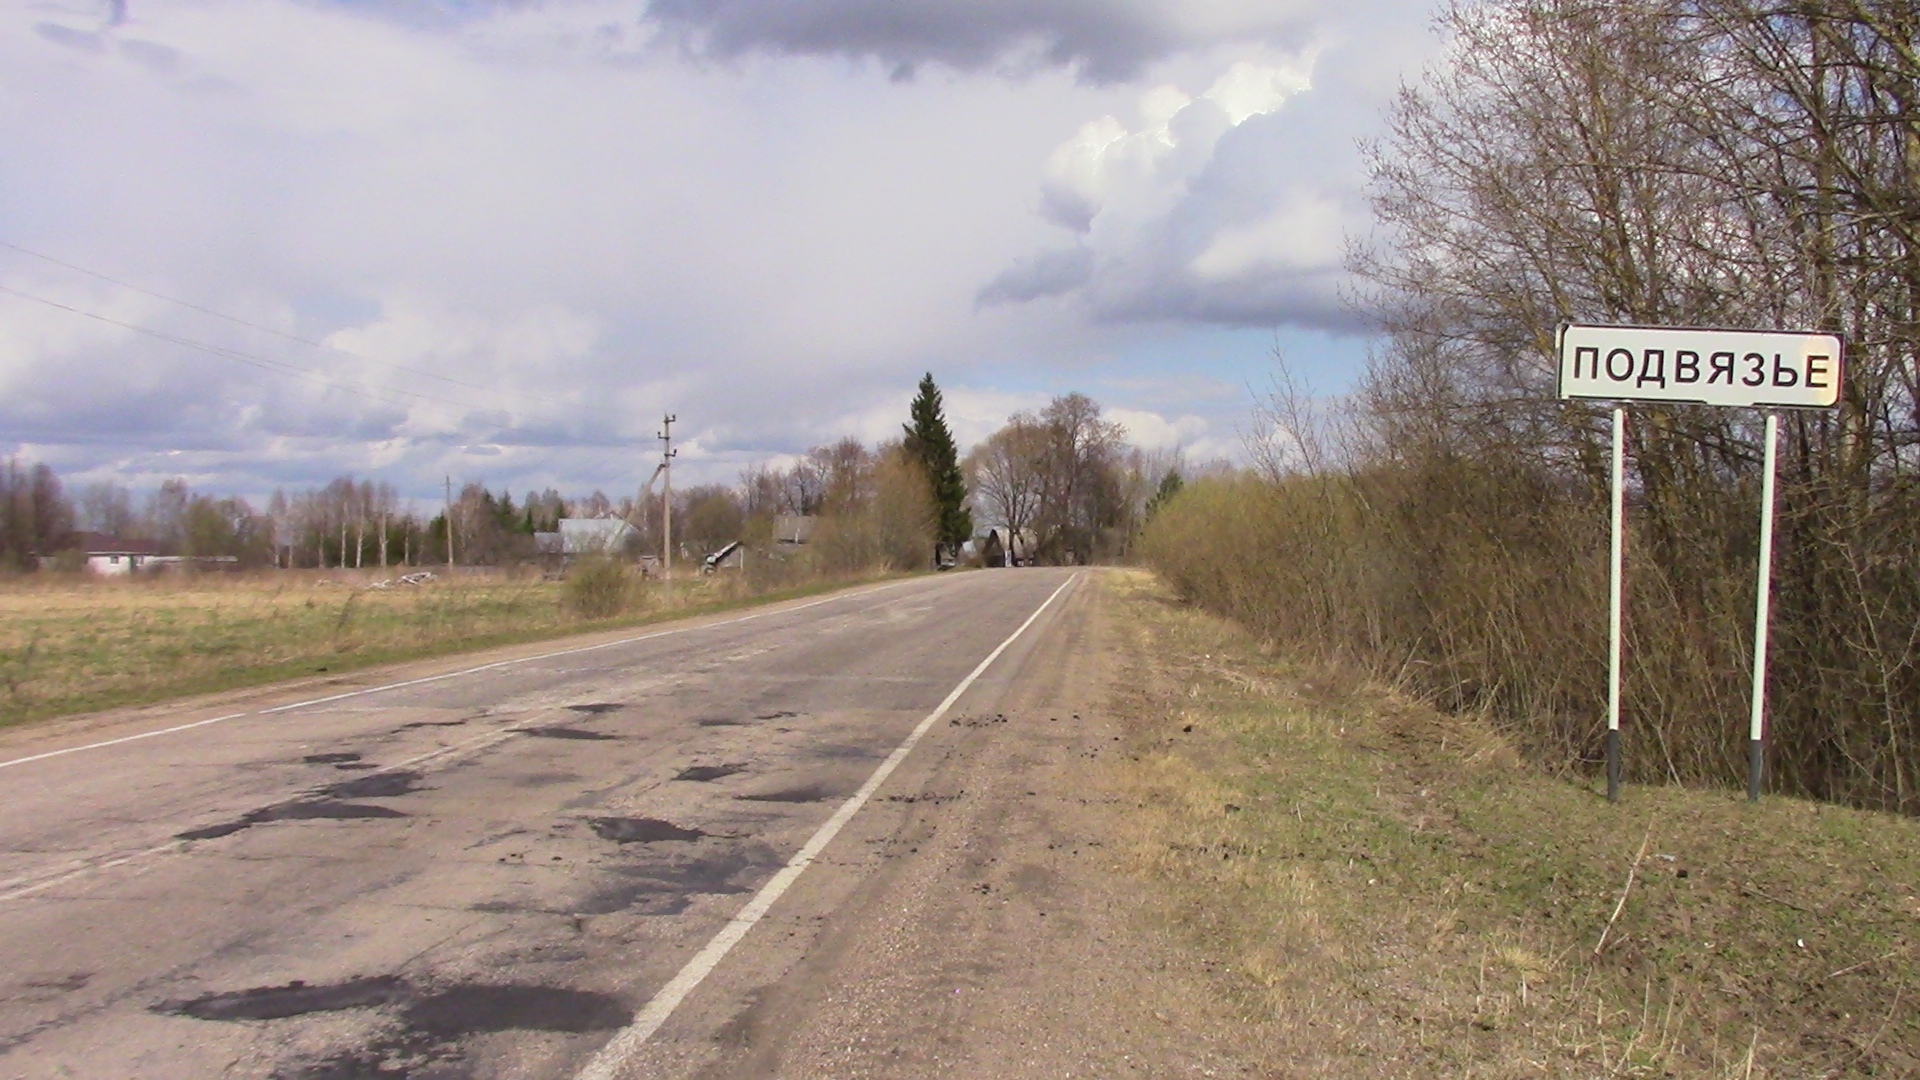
column 667, row 454
column 449, row 523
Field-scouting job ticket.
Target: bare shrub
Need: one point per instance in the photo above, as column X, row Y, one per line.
column 599, row 587
column 1722, row 162
column 891, row 527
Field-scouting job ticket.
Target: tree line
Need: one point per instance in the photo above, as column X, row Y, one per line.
column 1654, row 162
column 1064, row 475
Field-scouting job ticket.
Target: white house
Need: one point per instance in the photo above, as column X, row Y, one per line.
column 112, row 556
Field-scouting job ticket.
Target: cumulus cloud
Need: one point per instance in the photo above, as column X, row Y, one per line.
column 1103, row 41
column 1232, row 205
column 521, row 232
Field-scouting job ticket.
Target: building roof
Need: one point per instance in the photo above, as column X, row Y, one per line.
column 594, row 536
column 94, row 543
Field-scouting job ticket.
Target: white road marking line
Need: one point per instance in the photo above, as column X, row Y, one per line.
column 106, row 863
column 628, row 1040
column 448, row 675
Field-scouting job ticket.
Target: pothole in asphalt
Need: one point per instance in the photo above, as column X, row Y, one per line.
column 809, row 793
column 597, row 707
column 781, row 715
column 640, row 830
column 430, row 1021
column 294, row 999
column 329, row 803
column 476, row 1008
column 305, row 810
column 435, row 723
column 330, row 759
column 668, row 888
column 704, row 773
column 565, row 733
column 721, row 721
column 386, row 785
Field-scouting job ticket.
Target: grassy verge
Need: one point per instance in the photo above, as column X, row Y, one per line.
column 70, row 646
column 1390, row 892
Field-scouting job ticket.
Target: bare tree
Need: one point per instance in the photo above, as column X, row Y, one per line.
column 1006, row 474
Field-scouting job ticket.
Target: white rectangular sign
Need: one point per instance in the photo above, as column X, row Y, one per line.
column 1745, row 368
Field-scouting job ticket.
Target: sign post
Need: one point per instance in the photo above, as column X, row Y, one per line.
column 1762, row 604
column 1747, row 369
column 1615, row 601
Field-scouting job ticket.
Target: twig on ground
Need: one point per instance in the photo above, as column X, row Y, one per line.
column 1632, row 872
column 1867, row 1047
column 1851, row 968
column 1751, row 891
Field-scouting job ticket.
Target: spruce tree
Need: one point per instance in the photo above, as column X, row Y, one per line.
column 930, row 441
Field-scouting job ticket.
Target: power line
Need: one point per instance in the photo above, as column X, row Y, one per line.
column 237, row 321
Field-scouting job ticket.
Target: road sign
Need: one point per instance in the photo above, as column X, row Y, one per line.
column 1742, row 368
column 1752, row 369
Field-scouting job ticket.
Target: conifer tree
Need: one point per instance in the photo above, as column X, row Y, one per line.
column 930, row 441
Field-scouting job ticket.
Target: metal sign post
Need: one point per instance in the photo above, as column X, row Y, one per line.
column 1616, row 567
column 1674, row 365
column 1756, row 720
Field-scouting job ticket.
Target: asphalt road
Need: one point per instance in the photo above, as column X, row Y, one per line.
column 515, row 870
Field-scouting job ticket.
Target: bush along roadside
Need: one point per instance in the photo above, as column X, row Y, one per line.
column 1391, row 891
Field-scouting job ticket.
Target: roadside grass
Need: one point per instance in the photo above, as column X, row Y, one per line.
column 1389, row 891
column 72, row 645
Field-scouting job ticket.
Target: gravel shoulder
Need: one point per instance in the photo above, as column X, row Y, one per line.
column 986, row 917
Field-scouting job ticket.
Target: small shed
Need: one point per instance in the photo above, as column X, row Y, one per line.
column 596, row 536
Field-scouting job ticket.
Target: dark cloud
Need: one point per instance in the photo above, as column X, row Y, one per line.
column 69, row 37
column 1102, row 40
column 1047, row 274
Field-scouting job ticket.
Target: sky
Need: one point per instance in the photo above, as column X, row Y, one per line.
column 263, row 243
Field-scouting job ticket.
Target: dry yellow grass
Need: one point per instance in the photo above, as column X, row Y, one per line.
column 76, row 644
column 1394, row 893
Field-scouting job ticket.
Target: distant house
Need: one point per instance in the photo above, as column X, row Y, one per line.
column 1004, row 547
column 596, row 536
column 112, row 556
column 793, row 530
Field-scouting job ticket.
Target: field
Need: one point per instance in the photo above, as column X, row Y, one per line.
column 1389, row 891
column 71, row 644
